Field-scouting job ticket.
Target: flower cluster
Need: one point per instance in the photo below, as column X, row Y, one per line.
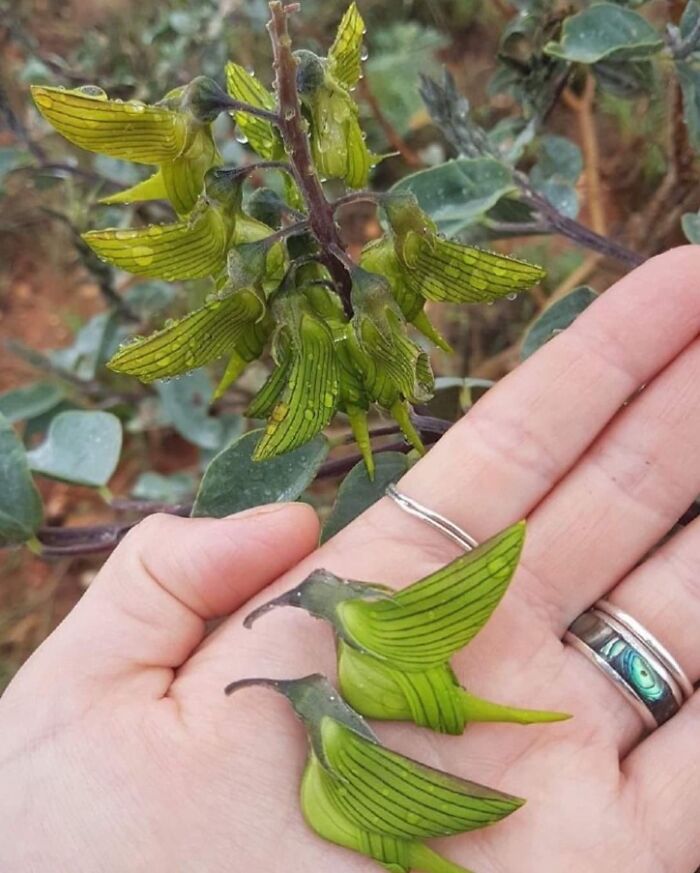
column 272, row 292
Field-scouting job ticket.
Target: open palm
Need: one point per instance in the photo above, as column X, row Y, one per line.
column 120, row 751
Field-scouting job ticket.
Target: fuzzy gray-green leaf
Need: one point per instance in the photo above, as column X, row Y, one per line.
column 558, row 317
column 233, row 481
column 80, row 447
column 20, row 503
column 358, row 492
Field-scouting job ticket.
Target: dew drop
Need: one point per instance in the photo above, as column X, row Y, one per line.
column 241, row 137
column 143, row 255
column 512, row 296
column 364, row 54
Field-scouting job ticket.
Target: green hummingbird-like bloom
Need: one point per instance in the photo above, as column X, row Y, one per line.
column 394, row 648
column 174, row 135
column 360, row 795
column 324, row 85
column 235, row 323
column 425, row 266
column 301, row 395
column 193, row 248
column 392, row 369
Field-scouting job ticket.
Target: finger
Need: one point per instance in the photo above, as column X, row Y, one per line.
column 624, row 495
column 663, row 594
column 663, row 783
column 149, row 604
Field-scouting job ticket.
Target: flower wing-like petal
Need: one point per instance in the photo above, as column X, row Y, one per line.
column 345, row 55
column 190, row 249
column 263, row 137
column 423, row 625
column 448, row 272
column 384, row 792
column 310, row 396
column 204, row 335
column 131, row 131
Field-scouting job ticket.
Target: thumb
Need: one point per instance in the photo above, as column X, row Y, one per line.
column 149, row 604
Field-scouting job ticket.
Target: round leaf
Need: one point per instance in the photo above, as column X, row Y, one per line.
column 458, row 193
column 81, row 447
column 29, row 401
column 20, row 504
column 234, row 481
column 557, row 318
column 605, row 30
column 358, row 492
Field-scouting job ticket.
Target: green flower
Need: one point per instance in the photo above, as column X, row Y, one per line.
column 393, row 370
column 234, row 323
column 324, row 85
column 394, row 648
column 174, row 135
column 428, row 267
column 360, row 795
column 300, row 396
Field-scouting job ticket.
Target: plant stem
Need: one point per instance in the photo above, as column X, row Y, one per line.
column 240, row 106
column 293, row 129
column 357, row 197
column 284, row 232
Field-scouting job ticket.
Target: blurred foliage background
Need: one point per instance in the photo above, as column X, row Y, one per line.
column 637, row 177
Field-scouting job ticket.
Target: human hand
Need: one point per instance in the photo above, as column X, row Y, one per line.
column 121, row 752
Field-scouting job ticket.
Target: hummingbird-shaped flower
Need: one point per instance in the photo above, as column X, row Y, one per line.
column 301, row 395
column 174, row 134
column 394, row 648
column 192, row 248
column 362, row 796
column 324, row 86
column 236, row 323
column 425, row 266
column 392, row 369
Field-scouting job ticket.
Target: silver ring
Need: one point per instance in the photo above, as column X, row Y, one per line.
column 439, row 522
column 639, row 666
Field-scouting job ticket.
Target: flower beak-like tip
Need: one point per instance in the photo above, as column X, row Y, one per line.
column 289, row 598
column 275, row 684
column 205, row 99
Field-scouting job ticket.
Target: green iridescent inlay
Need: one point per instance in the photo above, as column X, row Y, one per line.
column 634, row 669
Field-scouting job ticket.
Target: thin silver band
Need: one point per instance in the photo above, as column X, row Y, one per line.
column 444, row 525
column 676, row 686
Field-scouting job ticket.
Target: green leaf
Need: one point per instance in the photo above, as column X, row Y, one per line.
column 175, row 488
column 458, row 193
column 91, row 347
column 557, row 318
column 186, row 403
column 29, row 401
column 690, row 222
column 605, row 30
column 399, row 53
column 20, row 504
column 558, row 157
column 234, row 481
column 81, row 447
column 357, row 492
